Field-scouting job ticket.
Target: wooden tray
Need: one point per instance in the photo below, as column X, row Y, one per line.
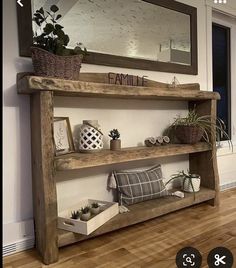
column 108, row 210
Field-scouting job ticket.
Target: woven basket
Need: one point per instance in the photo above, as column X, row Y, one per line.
column 51, row 65
column 188, row 134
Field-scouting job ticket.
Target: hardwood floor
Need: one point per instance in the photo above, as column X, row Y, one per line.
column 151, row 244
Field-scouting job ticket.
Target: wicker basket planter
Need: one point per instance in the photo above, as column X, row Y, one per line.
column 188, row 134
column 51, row 65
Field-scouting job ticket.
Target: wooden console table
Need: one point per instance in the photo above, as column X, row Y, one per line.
column 202, row 158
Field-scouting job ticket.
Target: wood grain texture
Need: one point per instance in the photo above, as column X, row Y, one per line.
column 31, row 84
column 44, row 187
column 138, row 213
column 107, row 157
column 151, row 244
column 205, row 163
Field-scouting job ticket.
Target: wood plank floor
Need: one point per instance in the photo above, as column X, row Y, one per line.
column 151, row 244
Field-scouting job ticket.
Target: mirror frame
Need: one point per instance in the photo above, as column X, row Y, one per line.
column 24, row 16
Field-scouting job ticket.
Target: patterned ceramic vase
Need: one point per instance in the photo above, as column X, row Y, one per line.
column 187, row 187
column 90, row 139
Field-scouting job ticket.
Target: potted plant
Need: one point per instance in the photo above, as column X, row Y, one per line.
column 190, row 182
column 50, row 54
column 75, row 215
column 115, row 143
column 85, row 213
column 95, row 208
column 192, row 128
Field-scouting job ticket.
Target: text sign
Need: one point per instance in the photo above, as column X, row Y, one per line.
column 126, row 79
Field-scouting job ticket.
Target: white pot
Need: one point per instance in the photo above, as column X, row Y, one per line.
column 85, row 217
column 196, row 180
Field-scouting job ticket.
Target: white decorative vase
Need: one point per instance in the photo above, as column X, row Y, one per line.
column 90, row 139
column 196, row 180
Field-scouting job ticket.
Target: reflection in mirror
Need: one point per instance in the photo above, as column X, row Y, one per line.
column 133, row 28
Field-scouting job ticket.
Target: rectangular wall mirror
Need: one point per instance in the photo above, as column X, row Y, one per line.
column 157, row 35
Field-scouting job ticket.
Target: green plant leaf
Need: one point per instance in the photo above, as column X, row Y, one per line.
column 58, row 17
column 48, row 28
column 54, row 8
column 41, row 11
column 58, row 27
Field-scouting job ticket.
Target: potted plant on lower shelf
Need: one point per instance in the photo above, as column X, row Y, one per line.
column 190, row 182
column 50, row 54
column 115, row 143
column 192, row 128
column 95, row 208
column 85, row 213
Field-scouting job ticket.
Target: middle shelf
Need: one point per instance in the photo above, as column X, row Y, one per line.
column 107, row 157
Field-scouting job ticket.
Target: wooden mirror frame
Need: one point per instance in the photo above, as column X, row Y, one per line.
column 24, row 15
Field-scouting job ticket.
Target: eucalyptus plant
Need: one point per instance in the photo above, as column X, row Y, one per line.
column 52, row 37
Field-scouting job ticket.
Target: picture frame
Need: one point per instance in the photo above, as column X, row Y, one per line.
column 62, row 134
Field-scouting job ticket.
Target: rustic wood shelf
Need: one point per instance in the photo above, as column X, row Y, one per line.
column 140, row 212
column 27, row 84
column 107, row 157
column 202, row 158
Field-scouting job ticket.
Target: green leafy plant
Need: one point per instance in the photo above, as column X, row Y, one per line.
column 114, row 134
column 75, row 215
column 85, row 210
column 183, row 176
column 207, row 123
column 52, row 37
column 95, row 205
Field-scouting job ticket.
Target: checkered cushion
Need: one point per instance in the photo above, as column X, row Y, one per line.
column 137, row 186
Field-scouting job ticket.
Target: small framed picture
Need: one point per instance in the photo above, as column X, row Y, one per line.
column 63, row 139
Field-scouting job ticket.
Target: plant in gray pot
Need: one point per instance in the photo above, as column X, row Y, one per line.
column 190, row 182
column 95, row 208
column 115, row 143
column 85, row 213
column 50, row 55
column 75, row 215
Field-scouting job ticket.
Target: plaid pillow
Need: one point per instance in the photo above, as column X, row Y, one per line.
column 137, row 186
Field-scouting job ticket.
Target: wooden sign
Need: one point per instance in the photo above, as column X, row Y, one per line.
column 126, row 79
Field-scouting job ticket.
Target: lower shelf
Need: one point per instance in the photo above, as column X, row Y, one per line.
column 138, row 213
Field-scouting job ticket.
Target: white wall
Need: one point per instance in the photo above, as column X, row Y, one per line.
column 136, row 120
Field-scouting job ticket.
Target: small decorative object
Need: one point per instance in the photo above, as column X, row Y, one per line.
column 150, row 142
column 174, row 83
column 166, row 139
column 75, row 215
column 63, row 139
column 115, row 143
column 192, row 128
column 90, row 139
column 190, row 182
column 50, row 55
column 160, row 140
column 85, row 213
column 95, row 208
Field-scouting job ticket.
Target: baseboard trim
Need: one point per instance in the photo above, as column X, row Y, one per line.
column 228, row 186
column 18, row 246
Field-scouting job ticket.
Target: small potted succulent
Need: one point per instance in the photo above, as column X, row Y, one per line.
column 95, row 208
column 75, row 215
column 50, row 54
column 85, row 213
column 115, row 142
